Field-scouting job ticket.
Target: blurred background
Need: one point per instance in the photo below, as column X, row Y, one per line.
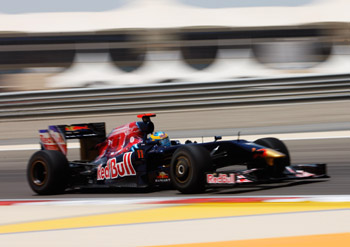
column 65, row 44
column 236, row 68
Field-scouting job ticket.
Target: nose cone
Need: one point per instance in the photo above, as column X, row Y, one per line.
column 270, row 153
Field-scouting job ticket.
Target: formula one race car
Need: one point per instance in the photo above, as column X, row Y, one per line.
column 132, row 156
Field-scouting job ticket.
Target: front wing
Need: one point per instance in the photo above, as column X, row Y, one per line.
column 293, row 172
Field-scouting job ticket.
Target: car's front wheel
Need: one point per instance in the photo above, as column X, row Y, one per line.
column 188, row 166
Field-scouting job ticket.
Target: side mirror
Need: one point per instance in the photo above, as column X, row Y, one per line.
column 217, row 138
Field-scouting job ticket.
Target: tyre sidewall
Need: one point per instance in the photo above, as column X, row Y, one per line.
column 200, row 161
column 56, row 166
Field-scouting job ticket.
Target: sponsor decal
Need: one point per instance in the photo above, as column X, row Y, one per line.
column 243, row 179
column 58, row 138
column 46, row 140
column 162, row 175
column 221, row 178
column 75, row 128
column 114, row 170
column 162, row 178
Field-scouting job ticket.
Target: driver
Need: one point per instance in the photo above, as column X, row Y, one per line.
column 162, row 137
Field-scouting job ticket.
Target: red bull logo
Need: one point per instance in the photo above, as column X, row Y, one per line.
column 162, row 178
column 75, row 128
column 162, row 175
column 221, row 178
column 114, row 170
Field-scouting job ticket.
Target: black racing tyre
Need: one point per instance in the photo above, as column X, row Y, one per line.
column 188, row 166
column 280, row 164
column 47, row 172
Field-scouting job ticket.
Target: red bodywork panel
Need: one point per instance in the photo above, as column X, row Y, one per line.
column 120, row 140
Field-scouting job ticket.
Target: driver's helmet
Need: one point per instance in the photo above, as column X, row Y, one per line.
column 162, row 137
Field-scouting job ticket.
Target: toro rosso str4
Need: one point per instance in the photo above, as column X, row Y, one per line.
column 134, row 156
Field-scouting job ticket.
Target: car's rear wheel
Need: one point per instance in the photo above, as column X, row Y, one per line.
column 47, row 172
column 188, row 167
column 279, row 164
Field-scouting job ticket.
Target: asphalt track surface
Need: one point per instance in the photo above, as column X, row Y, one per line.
column 252, row 120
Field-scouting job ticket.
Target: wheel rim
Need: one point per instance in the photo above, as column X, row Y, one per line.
column 182, row 169
column 39, row 173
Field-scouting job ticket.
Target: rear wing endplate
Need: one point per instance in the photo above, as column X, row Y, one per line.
column 56, row 136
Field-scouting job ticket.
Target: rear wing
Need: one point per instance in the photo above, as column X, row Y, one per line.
column 56, row 136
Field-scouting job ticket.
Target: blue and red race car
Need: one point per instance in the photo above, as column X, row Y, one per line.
column 134, row 156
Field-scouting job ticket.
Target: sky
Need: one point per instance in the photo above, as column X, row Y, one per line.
column 39, row 6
